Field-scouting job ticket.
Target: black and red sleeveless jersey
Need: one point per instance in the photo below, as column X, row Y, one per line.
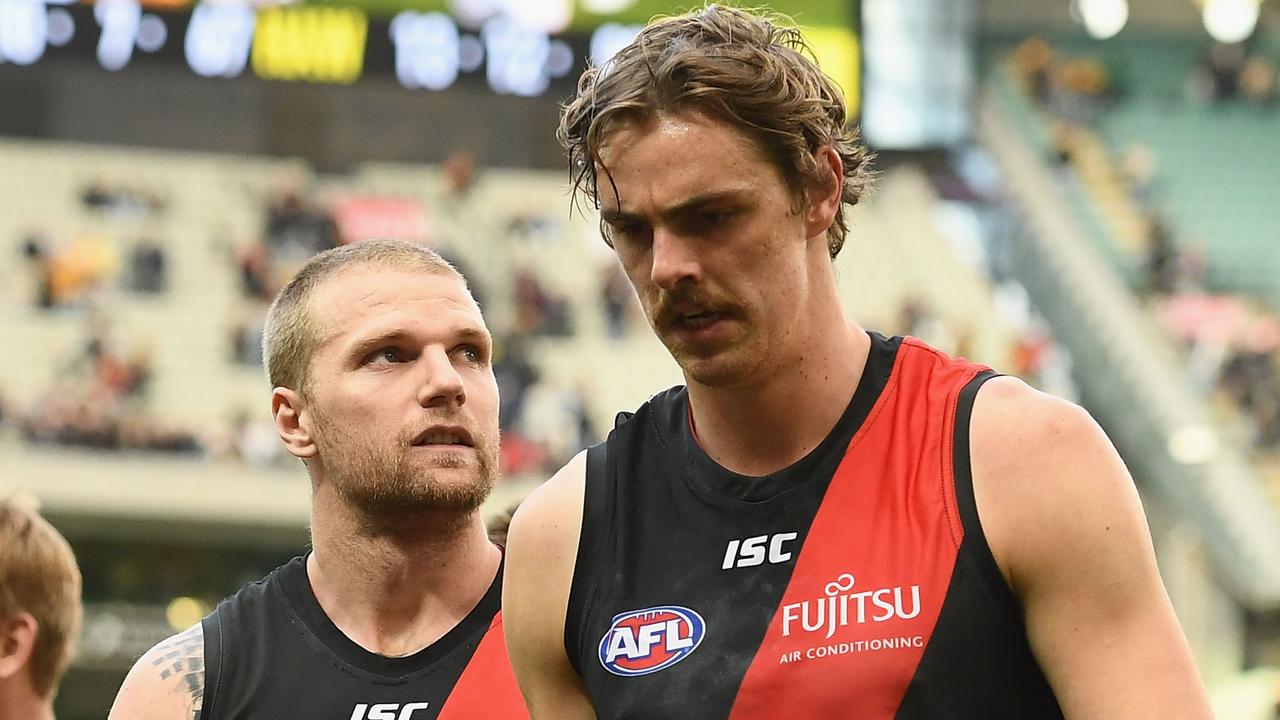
column 271, row 652
column 855, row 583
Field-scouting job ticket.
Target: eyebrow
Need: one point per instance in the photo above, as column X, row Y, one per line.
column 467, row 333
column 697, row 202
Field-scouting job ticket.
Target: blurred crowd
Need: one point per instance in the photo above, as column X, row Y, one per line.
column 1231, row 340
column 98, row 400
column 99, row 396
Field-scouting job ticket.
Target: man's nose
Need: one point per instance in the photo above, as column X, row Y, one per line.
column 441, row 383
column 674, row 259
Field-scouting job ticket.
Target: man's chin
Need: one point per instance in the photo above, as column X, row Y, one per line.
column 461, row 495
column 720, row 370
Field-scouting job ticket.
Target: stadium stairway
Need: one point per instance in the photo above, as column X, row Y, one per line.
column 1132, row 381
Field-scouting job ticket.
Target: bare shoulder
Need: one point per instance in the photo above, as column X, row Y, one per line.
column 549, row 520
column 542, row 548
column 1011, row 415
column 1019, row 433
column 1064, row 522
column 167, row 682
column 1044, row 474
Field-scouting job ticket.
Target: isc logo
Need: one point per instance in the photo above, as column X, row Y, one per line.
column 755, row 550
column 387, row 711
column 645, row 641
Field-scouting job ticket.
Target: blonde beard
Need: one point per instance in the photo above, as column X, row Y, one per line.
column 380, row 482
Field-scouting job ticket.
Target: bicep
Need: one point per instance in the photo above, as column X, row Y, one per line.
column 541, row 549
column 1069, row 528
column 167, row 683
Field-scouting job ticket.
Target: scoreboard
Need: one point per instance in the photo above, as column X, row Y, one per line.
column 331, row 44
column 424, row 44
column 336, row 82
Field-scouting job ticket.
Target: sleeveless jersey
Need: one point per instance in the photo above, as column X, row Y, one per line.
column 271, row 652
column 855, row 583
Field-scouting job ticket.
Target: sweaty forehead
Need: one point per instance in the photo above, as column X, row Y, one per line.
column 671, row 157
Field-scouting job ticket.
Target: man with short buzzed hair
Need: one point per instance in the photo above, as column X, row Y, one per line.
column 383, row 387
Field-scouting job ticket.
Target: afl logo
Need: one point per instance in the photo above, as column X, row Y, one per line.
column 645, row 641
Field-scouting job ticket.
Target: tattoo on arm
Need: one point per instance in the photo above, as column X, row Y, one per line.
column 180, row 660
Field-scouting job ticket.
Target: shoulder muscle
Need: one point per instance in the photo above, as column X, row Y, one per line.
column 167, row 683
column 1064, row 521
column 542, row 547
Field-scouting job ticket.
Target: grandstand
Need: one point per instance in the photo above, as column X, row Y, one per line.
column 1027, row 247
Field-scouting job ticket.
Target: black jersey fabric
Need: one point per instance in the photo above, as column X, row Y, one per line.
column 271, row 653
column 855, row 583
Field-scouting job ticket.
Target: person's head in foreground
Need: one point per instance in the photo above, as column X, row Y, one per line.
column 40, row 610
column 379, row 358
column 720, row 159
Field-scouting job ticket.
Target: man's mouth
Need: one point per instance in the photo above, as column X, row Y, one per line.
column 443, row 435
column 697, row 319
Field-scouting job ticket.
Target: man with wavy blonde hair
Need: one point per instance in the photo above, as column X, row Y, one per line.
column 822, row 522
column 40, row 610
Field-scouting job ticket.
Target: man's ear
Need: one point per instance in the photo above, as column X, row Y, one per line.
column 17, row 641
column 824, row 198
column 293, row 422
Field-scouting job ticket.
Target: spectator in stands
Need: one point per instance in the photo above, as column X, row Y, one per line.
column 618, row 299
column 1080, row 88
column 917, row 319
column 460, row 173
column 1216, row 76
column 540, row 311
column 555, row 418
column 1258, row 80
column 515, row 373
column 70, row 272
column 120, row 201
column 255, row 442
column 36, row 251
column 1033, row 60
column 96, row 195
column 1251, row 378
column 96, row 403
column 297, row 230
column 40, row 611
column 1138, row 163
column 1162, row 258
column 253, row 263
column 148, row 266
column 246, row 337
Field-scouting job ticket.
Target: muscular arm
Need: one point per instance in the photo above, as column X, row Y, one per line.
column 1067, row 528
column 542, row 546
column 167, row 683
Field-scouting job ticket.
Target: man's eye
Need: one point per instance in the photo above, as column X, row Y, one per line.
column 472, row 354
column 715, row 217
column 629, row 232
column 390, row 355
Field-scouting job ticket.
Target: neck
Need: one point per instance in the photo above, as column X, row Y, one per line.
column 23, row 702
column 793, row 408
column 396, row 589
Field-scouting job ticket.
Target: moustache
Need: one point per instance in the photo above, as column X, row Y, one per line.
column 673, row 304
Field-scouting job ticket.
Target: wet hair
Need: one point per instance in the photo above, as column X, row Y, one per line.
column 744, row 68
